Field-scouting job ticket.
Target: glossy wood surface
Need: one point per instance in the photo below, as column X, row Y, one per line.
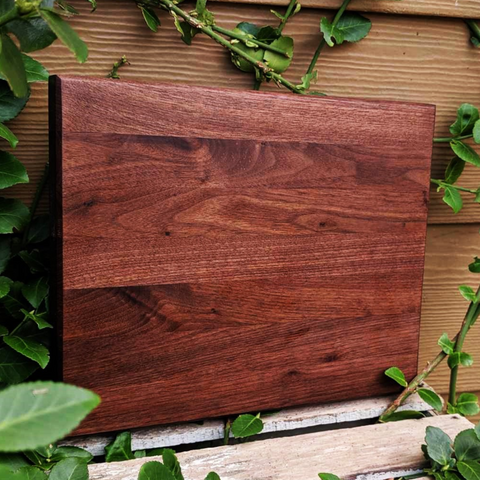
column 225, row 251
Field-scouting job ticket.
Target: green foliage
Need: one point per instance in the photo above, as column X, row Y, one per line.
column 474, row 267
column 467, row 115
column 351, row 27
column 467, row 446
column 453, row 198
column 8, row 135
column 120, row 449
column 150, row 17
column 14, row 215
column 467, row 404
column 168, row 470
column 439, row 445
column 72, row 468
column 397, row 375
column 246, row 426
column 431, row 398
column 454, row 170
column 11, row 66
column 328, row 476
column 468, row 293
column 446, row 344
column 402, row 415
column 40, row 413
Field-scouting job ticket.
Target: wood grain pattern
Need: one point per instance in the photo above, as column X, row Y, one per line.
column 378, row 452
column 202, row 250
column 403, row 58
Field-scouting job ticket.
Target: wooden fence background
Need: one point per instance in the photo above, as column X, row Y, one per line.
column 417, row 50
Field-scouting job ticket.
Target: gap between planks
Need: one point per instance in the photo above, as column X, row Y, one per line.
column 372, row 452
column 284, row 420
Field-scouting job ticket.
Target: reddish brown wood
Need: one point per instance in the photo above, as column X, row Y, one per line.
column 225, row 251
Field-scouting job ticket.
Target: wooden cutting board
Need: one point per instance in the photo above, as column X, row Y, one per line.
column 224, row 251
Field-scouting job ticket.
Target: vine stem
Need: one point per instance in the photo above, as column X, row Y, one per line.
column 243, row 38
column 449, row 139
column 207, row 30
column 36, row 199
column 322, row 43
column 287, row 15
column 470, row 318
column 444, row 184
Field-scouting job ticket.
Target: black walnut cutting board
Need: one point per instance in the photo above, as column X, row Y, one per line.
column 225, row 251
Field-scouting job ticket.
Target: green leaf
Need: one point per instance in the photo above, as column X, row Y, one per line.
column 66, row 34
column 61, row 453
column 39, row 229
column 467, row 404
column 120, row 449
column 475, row 41
column 465, row 152
column 5, row 284
column 246, row 426
column 328, row 476
column 307, row 79
column 351, row 27
column 243, row 64
column 460, row 358
column 35, row 71
column 36, row 291
column 467, row 115
column 439, row 445
column 29, row 348
column 453, row 199
column 470, row 470
column 446, row 344
column 12, row 171
column 11, row 66
column 155, row 471
column 40, row 413
column 34, row 260
column 431, row 398
column 93, row 3
column 477, row 430
column 37, row 318
column 248, row 28
column 403, row 415
column 468, row 293
column 13, row 461
column 474, row 267
column 70, row 469
column 454, row 170
column 212, row 476
column 467, row 445
column 3, row 332
column 30, row 473
column 397, row 375
column 188, row 32
column 476, row 132
column 5, row 252
column 171, row 462
column 14, row 368
column 201, row 6
column 33, row 33
column 276, row 61
column 267, row 34
column 13, row 215
column 10, row 105
column 8, row 135
column 151, row 18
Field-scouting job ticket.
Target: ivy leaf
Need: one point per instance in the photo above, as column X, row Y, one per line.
column 397, row 375
column 246, row 426
column 43, row 413
column 454, row 170
column 171, row 462
column 37, row 318
column 449, row 475
column 14, row 368
column 12, row 171
column 120, row 449
column 30, row 473
column 5, row 284
column 467, row 115
column 155, row 471
column 403, row 415
column 34, row 70
column 212, row 476
column 351, row 27
column 36, row 291
column 11, row 66
column 8, row 135
column 467, row 404
column 467, row 445
column 474, row 267
column 439, row 445
column 10, row 105
column 465, row 152
column 151, row 18
column 73, row 468
column 446, row 344
column 29, row 348
column 33, row 33
column 13, row 215
column 468, row 293
column 276, row 61
column 62, row 453
column 470, row 470
column 328, row 476
column 431, row 398
column 453, row 199
column 476, row 132
column 13, row 461
column 66, row 34
column 460, row 358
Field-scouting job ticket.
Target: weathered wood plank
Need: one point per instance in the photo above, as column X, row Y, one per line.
column 284, row 420
column 373, row 452
column 403, row 58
